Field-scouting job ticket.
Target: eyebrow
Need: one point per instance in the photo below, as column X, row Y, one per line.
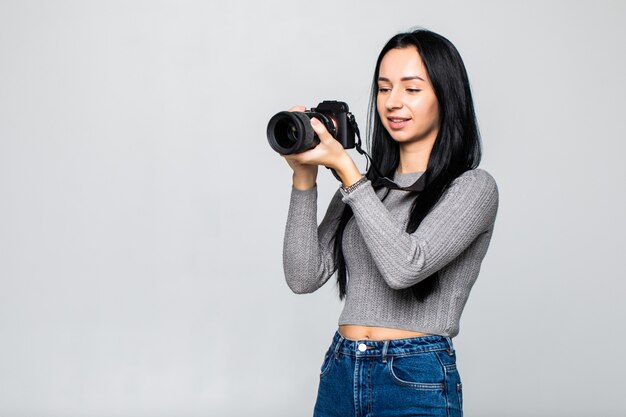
column 409, row 78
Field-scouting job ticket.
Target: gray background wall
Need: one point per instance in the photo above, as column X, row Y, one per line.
column 142, row 211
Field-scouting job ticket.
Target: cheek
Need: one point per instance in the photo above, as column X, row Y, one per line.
column 431, row 111
column 435, row 112
column 380, row 106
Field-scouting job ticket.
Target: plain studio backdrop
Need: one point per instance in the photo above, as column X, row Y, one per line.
column 142, row 211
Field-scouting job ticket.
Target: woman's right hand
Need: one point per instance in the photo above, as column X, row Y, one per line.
column 304, row 175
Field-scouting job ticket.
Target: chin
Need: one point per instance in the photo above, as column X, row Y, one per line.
column 401, row 138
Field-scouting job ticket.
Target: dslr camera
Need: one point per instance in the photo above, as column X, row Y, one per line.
column 291, row 132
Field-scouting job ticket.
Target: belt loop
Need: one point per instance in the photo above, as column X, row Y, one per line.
column 337, row 346
column 385, row 347
column 451, row 349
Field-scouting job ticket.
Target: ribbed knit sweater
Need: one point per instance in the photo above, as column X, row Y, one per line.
column 383, row 261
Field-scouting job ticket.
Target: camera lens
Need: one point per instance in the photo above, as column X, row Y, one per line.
column 291, row 132
column 286, row 133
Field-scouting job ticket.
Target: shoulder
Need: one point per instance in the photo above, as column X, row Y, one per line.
column 476, row 180
column 474, row 188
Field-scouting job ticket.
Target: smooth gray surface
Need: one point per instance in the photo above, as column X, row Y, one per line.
column 142, row 211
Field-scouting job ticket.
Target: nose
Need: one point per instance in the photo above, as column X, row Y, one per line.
column 393, row 101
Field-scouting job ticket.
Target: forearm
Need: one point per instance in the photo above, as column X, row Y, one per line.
column 307, row 250
column 304, row 180
column 347, row 171
column 404, row 259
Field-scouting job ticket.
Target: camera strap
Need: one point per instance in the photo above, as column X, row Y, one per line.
column 380, row 180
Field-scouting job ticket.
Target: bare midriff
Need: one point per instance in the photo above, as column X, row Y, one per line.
column 355, row 332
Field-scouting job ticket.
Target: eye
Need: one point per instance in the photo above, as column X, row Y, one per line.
column 413, row 90
column 384, row 89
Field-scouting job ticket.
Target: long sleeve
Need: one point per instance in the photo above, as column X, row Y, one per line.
column 308, row 260
column 466, row 210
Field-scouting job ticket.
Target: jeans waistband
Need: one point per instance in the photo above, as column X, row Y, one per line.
column 394, row 347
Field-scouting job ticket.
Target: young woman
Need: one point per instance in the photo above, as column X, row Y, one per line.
column 407, row 248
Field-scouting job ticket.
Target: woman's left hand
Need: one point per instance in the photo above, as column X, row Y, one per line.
column 329, row 153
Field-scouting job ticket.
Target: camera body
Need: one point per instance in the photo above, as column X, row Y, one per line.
column 291, row 132
column 339, row 113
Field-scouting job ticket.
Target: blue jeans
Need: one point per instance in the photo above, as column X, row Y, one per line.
column 392, row 378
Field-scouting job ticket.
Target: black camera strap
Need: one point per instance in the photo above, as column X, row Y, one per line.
column 380, row 180
column 358, row 146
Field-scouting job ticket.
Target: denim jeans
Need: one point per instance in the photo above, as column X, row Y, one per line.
column 404, row 377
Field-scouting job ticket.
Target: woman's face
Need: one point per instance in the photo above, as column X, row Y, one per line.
column 406, row 102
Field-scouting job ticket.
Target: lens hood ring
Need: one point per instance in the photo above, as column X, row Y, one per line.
column 290, row 132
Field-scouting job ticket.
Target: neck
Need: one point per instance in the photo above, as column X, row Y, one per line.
column 414, row 156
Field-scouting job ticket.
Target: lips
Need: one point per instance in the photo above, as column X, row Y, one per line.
column 396, row 123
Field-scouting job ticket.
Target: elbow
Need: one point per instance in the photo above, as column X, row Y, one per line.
column 397, row 283
column 298, row 287
column 401, row 280
column 300, row 281
column 404, row 269
column 403, row 275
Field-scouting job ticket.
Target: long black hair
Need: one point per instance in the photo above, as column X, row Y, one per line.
column 456, row 148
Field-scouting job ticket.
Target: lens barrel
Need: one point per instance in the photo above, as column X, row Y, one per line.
column 291, row 132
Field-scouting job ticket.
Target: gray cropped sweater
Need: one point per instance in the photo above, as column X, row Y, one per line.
column 383, row 260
